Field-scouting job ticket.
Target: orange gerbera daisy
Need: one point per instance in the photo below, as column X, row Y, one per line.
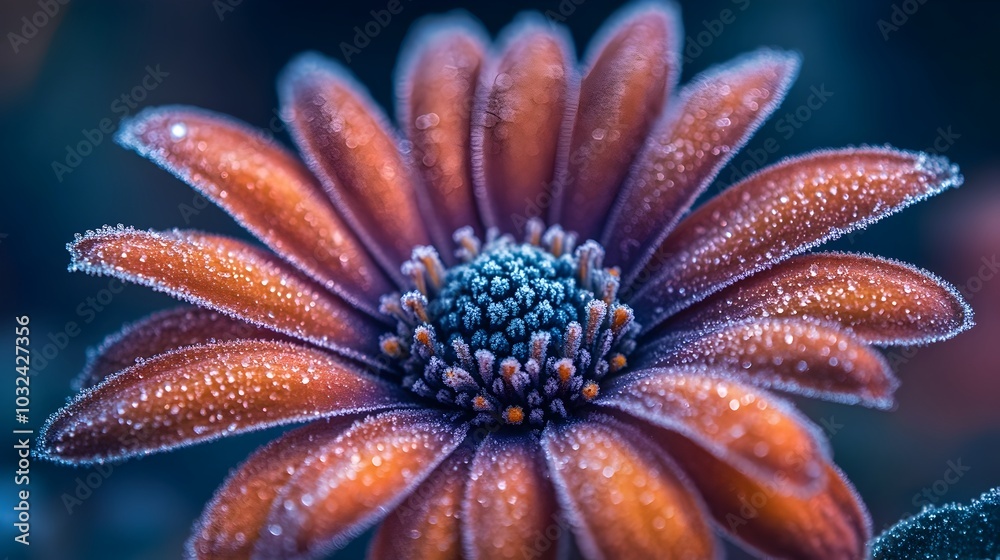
column 484, row 384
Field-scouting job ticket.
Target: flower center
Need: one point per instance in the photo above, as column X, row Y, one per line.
column 518, row 333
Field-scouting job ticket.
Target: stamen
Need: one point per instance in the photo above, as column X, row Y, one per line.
column 459, row 379
column 513, row 415
column 537, row 417
column 390, row 305
column 416, row 303
column 392, row 346
column 610, row 291
column 558, row 408
column 573, row 338
column 555, row 239
column 596, row 311
column 468, row 243
column 565, row 370
column 509, row 367
column 523, row 332
column 621, row 319
column 481, row 404
column 533, row 232
column 463, row 352
column 485, row 360
column 416, row 273
column 589, row 257
column 433, row 266
column 539, row 346
column 424, row 339
column 617, row 362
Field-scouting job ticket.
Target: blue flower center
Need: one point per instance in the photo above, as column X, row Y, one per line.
column 497, row 301
column 519, row 333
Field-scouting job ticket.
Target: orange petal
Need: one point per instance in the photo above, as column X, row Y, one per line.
column 347, row 486
column 829, row 525
column 347, row 143
column 622, row 498
column 229, row 276
column 510, row 509
column 621, row 96
column 163, row 331
column 778, row 212
column 519, row 125
column 427, row 525
column 232, row 522
column 881, row 301
column 435, row 95
column 265, row 188
column 745, row 426
column 814, row 360
column 712, row 119
column 200, row 393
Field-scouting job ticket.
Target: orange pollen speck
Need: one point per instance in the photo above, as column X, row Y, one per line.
column 617, row 362
column 480, row 404
column 423, row 337
column 391, row 348
column 590, row 390
column 513, row 415
column 508, row 370
column 565, row 370
column 620, row 318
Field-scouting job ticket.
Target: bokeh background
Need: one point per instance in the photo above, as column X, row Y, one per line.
column 926, row 79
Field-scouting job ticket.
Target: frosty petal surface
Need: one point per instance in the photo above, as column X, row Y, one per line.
column 815, row 360
column 229, row 276
column 436, row 92
column 714, row 116
column 740, row 424
column 163, row 331
column 881, row 301
column 265, row 188
column 510, row 509
column 347, row 143
column 831, row 524
column 204, row 392
column 623, row 499
column 518, row 125
column 782, row 210
column 347, row 486
column 621, row 95
column 234, row 519
column 427, row 525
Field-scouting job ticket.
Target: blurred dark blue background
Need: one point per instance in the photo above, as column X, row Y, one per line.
column 924, row 80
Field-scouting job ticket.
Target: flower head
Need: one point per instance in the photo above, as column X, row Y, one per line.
column 511, row 328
